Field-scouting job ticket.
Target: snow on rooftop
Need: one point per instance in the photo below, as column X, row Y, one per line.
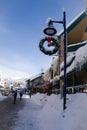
column 53, row 66
column 71, row 45
column 79, row 61
column 69, row 59
column 36, row 76
column 54, row 63
column 81, row 55
column 80, row 58
column 46, row 76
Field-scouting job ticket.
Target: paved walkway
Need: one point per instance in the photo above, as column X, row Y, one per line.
column 14, row 116
column 9, row 112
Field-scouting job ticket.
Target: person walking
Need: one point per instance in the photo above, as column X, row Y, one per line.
column 21, row 94
column 15, row 96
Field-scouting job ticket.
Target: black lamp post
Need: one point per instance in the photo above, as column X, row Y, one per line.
column 50, row 30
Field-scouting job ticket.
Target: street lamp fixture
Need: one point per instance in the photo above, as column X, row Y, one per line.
column 50, row 30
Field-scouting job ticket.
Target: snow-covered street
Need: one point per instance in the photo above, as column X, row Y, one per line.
column 19, row 116
column 43, row 112
column 27, row 117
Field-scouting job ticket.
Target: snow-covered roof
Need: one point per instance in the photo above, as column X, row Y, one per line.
column 55, row 78
column 74, row 47
column 79, row 61
column 81, row 55
column 46, row 75
column 54, row 63
column 53, row 66
column 70, row 59
column 35, row 77
column 81, row 43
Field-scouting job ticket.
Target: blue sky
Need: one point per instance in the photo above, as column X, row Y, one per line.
column 21, row 24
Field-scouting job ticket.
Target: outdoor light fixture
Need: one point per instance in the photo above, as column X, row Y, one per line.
column 50, row 30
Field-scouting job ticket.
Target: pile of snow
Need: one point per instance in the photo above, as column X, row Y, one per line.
column 52, row 115
column 39, row 99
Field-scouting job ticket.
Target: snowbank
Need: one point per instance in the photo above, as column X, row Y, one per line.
column 52, row 115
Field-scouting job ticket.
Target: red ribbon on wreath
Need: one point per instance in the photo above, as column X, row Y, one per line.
column 51, row 42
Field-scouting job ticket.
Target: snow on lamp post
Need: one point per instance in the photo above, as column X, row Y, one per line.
column 51, row 31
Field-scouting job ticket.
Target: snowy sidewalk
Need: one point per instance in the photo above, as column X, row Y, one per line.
column 43, row 112
column 27, row 117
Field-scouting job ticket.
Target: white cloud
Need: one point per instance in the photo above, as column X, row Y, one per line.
column 17, row 67
column 9, row 73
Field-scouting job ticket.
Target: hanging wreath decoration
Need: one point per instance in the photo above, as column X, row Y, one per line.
column 51, row 42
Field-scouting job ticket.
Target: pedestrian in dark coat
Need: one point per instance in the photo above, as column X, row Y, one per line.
column 21, row 94
column 15, row 96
